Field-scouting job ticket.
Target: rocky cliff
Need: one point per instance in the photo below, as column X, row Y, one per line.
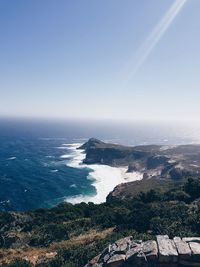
column 163, row 163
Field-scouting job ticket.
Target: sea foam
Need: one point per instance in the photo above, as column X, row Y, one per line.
column 65, row 156
column 12, row 158
column 104, row 178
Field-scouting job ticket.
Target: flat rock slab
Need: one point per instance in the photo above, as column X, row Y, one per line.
column 167, row 249
column 183, row 248
column 191, row 239
column 194, row 244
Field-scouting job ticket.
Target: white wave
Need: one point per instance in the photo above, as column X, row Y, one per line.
column 11, row 158
column 72, row 145
column 73, row 186
column 5, row 201
column 78, row 156
column 54, row 171
column 65, row 156
column 104, row 178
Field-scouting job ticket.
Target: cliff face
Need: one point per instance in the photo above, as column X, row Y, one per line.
column 163, row 252
column 153, row 161
column 98, row 152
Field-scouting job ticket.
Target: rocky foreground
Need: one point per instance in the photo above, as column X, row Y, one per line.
column 163, row 252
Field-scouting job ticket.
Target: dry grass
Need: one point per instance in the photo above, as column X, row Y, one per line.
column 36, row 255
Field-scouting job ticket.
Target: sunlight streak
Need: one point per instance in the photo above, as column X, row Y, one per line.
column 155, row 36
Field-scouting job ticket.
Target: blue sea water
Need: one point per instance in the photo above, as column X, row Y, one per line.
column 33, row 171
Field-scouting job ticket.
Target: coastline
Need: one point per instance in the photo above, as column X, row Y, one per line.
column 104, row 178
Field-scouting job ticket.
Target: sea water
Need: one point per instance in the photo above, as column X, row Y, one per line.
column 40, row 165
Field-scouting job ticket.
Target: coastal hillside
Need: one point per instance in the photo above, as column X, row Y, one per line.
column 161, row 166
column 152, row 160
column 71, row 235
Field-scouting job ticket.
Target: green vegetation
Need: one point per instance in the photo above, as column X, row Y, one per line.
column 174, row 212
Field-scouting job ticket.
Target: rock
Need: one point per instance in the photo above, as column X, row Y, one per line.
column 194, row 243
column 167, row 249
column 133, row 252
column 91, row 143
column 195, row 248
column 116, row 260
column 94, row 260
column 183, row 248
column 191, row 239
column 150, row 250
column 143, row 253
column 105, row 255
column 165, row 252
column 122, row 245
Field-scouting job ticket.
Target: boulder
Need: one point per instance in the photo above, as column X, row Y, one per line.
column 150, row 250
column 133, row 252
column 122, row 245
column 167, row 249
column 194, row 243
column 142, row 253
column 183, row 248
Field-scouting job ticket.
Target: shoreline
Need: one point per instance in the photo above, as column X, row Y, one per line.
column 104, row 178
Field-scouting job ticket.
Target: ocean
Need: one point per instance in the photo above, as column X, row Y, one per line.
column 40, row 165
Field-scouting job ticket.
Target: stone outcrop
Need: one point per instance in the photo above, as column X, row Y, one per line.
column 162, row 252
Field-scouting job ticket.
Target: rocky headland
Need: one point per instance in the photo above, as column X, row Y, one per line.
column 161, row 164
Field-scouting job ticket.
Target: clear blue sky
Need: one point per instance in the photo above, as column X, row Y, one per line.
column 79, row 59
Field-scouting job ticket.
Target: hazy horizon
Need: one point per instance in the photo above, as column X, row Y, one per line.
column 114, row 60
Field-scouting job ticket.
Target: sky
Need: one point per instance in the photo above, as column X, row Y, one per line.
column 100, row 59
